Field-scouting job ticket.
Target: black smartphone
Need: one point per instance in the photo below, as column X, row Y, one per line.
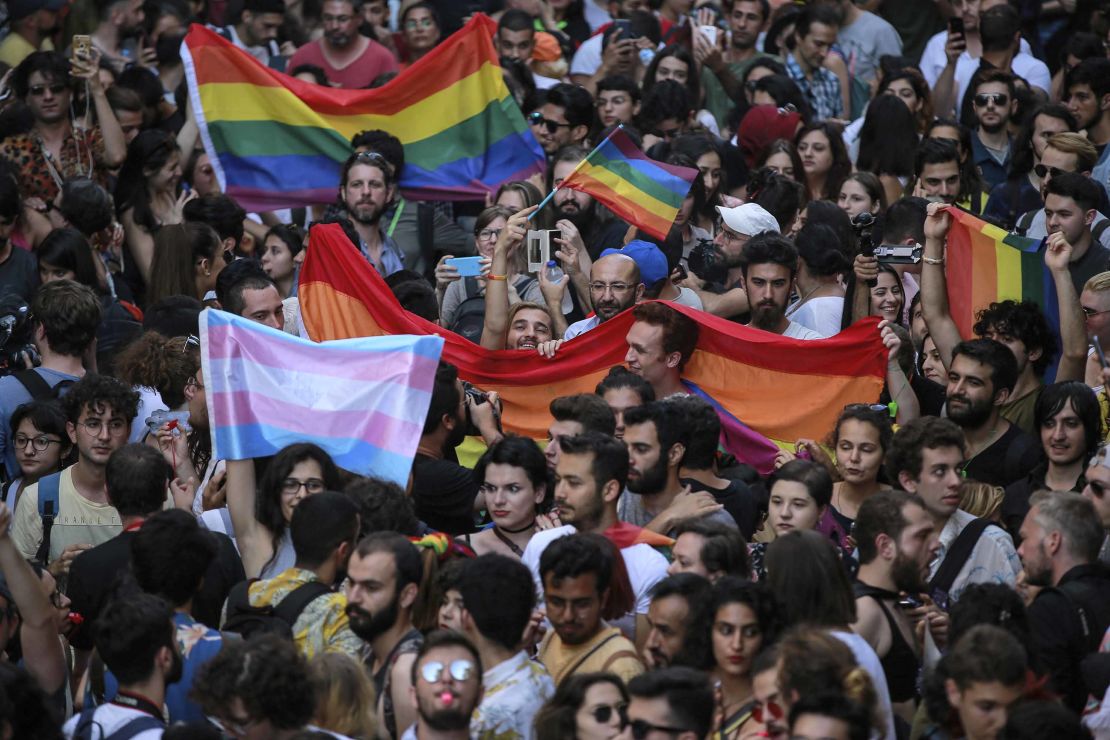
column 956, row 26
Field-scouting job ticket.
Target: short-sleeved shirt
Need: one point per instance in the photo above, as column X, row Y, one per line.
column 82, row 155
column 992, row 560
column 513, row 691
column 608, row 651
column 111, row 718
column 1009, row 458
column 820, row 315
column 444, row 494
column 79, row 520
column 13, row 395
column 375, row 61
column 14, row 49
column 630, row 508
column 322, row 626
column 716, row 99
column 865, row 42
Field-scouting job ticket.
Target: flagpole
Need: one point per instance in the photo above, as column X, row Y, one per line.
column 620, row 126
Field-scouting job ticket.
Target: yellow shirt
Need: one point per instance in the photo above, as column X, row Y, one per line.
column 609, row 650
column 14, row 49
column 79, row 521
column 322, row 627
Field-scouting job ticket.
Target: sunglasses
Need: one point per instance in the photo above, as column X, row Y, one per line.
column 536, row 118
column 771, row 710
column 642, row 728
column 460, row 670
column 1043, row 171
column 604, row 713
column 982, row 100
column 39, row 90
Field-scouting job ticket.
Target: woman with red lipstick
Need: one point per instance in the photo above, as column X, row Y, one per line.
column 739, row 622
column 514, row 482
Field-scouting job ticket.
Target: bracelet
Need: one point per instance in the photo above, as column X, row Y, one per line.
column 491, row 276
column 932, row 261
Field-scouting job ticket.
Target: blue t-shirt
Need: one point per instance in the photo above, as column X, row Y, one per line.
column 12, row 396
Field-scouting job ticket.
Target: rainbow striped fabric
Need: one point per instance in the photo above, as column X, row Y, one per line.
column 768, row 387
column 361, row 400
column 277, row 142
column 987, row 264
column 643, row 192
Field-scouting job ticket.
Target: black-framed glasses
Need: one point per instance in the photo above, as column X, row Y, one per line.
column 536, row 119
column 460, row 670
column 40, row 443
column 488, row 235
column 604, row 713
column 290, row 486
column 1043, row 171
column 982, row 100
column 642, row 728
column 615, row 287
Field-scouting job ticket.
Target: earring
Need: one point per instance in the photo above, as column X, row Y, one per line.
column 208, row 273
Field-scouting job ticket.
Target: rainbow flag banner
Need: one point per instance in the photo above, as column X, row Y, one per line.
column 277, row 142
column 362, row 400
column 775, row 388
column 643, row 192
column 987, row 264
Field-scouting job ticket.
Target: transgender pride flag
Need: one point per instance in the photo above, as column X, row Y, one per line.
column 362, row 400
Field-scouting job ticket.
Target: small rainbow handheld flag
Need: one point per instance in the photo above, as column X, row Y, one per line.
column 278, row 142
column 643, row 192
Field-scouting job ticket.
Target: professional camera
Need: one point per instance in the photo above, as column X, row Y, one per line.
column 707, row 262
column 16, row 345
column 476, row 397
column 864, row 223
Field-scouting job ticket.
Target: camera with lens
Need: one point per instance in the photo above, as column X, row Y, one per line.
column 707, row 262
column 474, row 396
column 16, row 336
column 864, row 224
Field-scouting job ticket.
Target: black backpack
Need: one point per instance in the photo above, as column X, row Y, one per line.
column 248, row 621
column 470, row 316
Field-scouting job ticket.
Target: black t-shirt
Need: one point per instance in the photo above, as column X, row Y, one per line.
column 1095, row 260
column 444, row 494
column 738, row 500
column 19, row 274
column 1012, row 457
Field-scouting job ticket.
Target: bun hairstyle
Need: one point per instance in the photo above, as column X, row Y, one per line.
column 814, row 661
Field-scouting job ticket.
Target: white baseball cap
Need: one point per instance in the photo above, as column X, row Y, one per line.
column 750, row 219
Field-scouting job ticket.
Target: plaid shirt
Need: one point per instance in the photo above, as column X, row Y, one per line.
column 822, row 92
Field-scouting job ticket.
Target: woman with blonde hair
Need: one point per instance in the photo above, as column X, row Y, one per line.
column 344, row 696
column 982, row 500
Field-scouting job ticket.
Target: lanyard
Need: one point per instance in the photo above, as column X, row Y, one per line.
column 140, row 703
column 396, row 217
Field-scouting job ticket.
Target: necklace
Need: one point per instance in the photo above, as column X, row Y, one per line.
column 500, row 534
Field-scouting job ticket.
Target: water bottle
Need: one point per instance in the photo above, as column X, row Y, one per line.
column 553, row 272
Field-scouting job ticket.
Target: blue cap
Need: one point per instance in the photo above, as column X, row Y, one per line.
column 648, row 257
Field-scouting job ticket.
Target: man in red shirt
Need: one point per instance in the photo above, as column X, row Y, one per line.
column 348, row 58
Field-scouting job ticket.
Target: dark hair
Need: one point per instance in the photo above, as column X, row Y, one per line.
column 610, row 456
column 135, row 478
column 699, row 427
column 406, row 559
column 50, row 64
column 382, row 506
column 693, row 78
column 723, row 549
column 25, row 706
column 903, row 219
column 882, row 142
column 1079, row 188
column 935, row 151
column 587, row 409
column 993, row 354
column 670, row 427
column 445, row 396
column 841, row 162
column 11, row 202
column 515, row 19
column 578, row 106
column 177, row 248
column 1033, row 720
column 823, row 14
column 809, row 579
column 1054, row 397
column 912, row 438
column 576, row 555
column 881, row 513
column 445, row 638
column 290, row 236
column 770, row 248
column 989, row 603
column 1094, row 72
column 370, row 159
column 556, row 719
column 424, row 5
column 986, row 654
column 267, row 674
column 1022, row 153
column 46, row 416
column 174, row 316
column 218, row 211
column 819, row 246
column 500, row 614
column 69, row 314
column 235, row 279
column 418, row 297
column 144, row 82
column 730, row 589
column 779, row 195
column 97, row 391
column 997, row 28
column 864, row 413
column 86, row 205
column 318, row 73
column 130, row 631
column 624, row 83
column 68, row 249
column 666, row 99
column 146, row 154
column 517, row 452
column 834, row 705
column 920, row 88
column 621, row 377
column 816, row 479
column 687, row 692
column 691, row 587
column 680, row 332
column 320, row 524
column 385, row 144
column 170, row 554
column 267, row 505
column 785, row 92
column 1023, row 321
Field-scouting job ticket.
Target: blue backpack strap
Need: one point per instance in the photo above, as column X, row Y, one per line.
column 48, row 511
column 85, row 723
column 135, row 727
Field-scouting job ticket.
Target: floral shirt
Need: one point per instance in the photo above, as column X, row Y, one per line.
column 514, row 691
column 82, row 155
column 993, row 560
column 322, row 627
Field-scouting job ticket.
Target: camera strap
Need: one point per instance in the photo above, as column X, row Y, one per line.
column 35, row 384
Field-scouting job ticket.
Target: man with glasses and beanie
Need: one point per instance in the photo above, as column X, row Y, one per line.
column 673, row 702
column 366, row 188
column 447, row 688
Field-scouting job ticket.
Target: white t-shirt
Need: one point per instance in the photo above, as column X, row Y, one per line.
column 933, row 60
column 645, row 566
column 797, row 331
column 595, row 15
column 1025, row 66
column 111, row 718
column 821, row 315
column 587, row 59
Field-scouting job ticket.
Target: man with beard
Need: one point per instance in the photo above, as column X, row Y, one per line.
column 580, row 209
column 446, row 688
column 365, row 188
column 660, row 343
column 136, row 641
column 768, row 264
column 674, row 601
column 981, row 378
column 656, row 435
column 926, row 457
column 614, row 287
column 896, row 540
column 257, row 31
column 1061, row 537
column 443, row 491
column 33, row 23
column 722, row 73
column 993, row 102
column 383, row 582
column 563, row 118
column 348, row 58
column 117, row 34
column 1088, row 94
column 324, row 528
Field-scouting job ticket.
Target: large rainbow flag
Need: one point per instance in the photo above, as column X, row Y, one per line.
column 277, row 142
column 642, row 191
column 781, row 389
column 987, row 264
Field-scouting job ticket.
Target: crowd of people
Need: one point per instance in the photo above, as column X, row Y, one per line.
column 937, row 566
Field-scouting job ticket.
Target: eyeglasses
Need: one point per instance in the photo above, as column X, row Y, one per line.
column 729, row 236
column 536, row 118
column 615, row 287
column 982, row 100
column 602, row 714
column 419, row 23
column 1043, row 171
column 290, row 486
column 770, row 710
column 115, row 426
column 39, row 90
column 1090, row 313
column 488, row 235
column 460, row 670
column 40, row 443
column 642, row 728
